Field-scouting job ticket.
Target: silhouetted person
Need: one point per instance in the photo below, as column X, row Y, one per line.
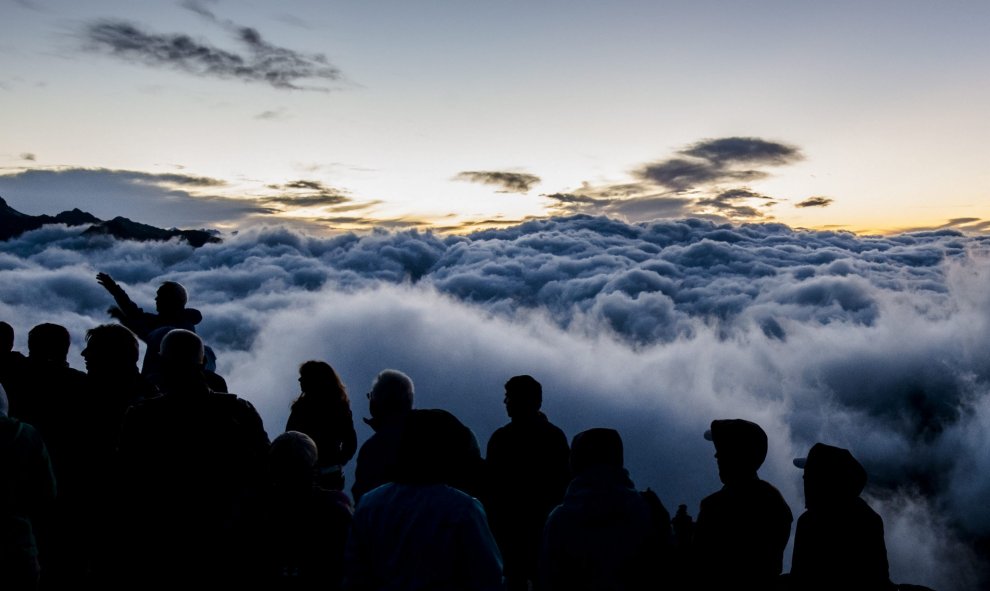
column 839, row 541
column 11, row 362
column 51, row 396
column 417, row 532
column 391, row 401
column 682, row 533
column 27, row 492
column 302, row 528
column 742, row 529
column 605, row 534
column 111, row 356
column 323, row 411
column 113, row 385
column 527, row 463
column 170, row 313
column 190, row 459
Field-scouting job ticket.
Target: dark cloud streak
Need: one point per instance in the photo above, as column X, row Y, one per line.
column 815, row 202
column 510, row 182
column 264, row 62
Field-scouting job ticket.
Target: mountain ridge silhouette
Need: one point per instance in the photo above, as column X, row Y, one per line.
column 13, row 223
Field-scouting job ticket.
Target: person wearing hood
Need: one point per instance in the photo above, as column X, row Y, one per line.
column 605, row 534
column 839, row 540
column 527, row 463
column 742, row 529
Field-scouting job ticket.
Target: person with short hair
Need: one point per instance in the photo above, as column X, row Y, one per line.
column 301, row 529
column 190, row 460
column 170, row 313
column 604, row 534
column 390, row 401
column 418, row 532
column 527, row 467
column 11, row 361
column 51, row 396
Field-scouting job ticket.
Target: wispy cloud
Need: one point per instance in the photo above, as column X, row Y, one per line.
column 736, row 203
column 271, row 115
column 815, row 202
column 262, row 62
column 307, row 193
column 510, row 182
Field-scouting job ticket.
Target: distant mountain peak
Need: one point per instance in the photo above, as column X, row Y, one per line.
column 14, row 223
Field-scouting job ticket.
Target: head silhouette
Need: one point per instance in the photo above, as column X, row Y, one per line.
column 596, row 448
column 317, row 378
column 740, row 448
column 182, row 357
column 430, row 447
column 6, row 338
column 831, row 476
column 391, row 394
column 110, row 348
column 171, row 298
column 523, row 397
column 292, row 458
column 49, row 343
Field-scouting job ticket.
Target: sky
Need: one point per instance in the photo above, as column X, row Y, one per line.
column 666, row 212
column 333, row 116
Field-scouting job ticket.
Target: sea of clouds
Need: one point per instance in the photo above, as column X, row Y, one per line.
column 877, row 344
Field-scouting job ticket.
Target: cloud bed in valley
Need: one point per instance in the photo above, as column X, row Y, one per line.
column 878, row 344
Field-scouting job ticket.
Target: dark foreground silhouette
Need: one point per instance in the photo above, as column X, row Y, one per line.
column 113, row 480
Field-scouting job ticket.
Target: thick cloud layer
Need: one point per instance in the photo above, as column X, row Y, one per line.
column 877, row 344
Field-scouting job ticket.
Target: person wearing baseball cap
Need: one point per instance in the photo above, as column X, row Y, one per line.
column 743, row 528
column 838, row 543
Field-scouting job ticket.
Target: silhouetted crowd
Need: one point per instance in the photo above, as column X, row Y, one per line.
column 155, row 478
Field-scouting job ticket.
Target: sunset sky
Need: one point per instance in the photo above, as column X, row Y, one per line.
column 866, row 116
